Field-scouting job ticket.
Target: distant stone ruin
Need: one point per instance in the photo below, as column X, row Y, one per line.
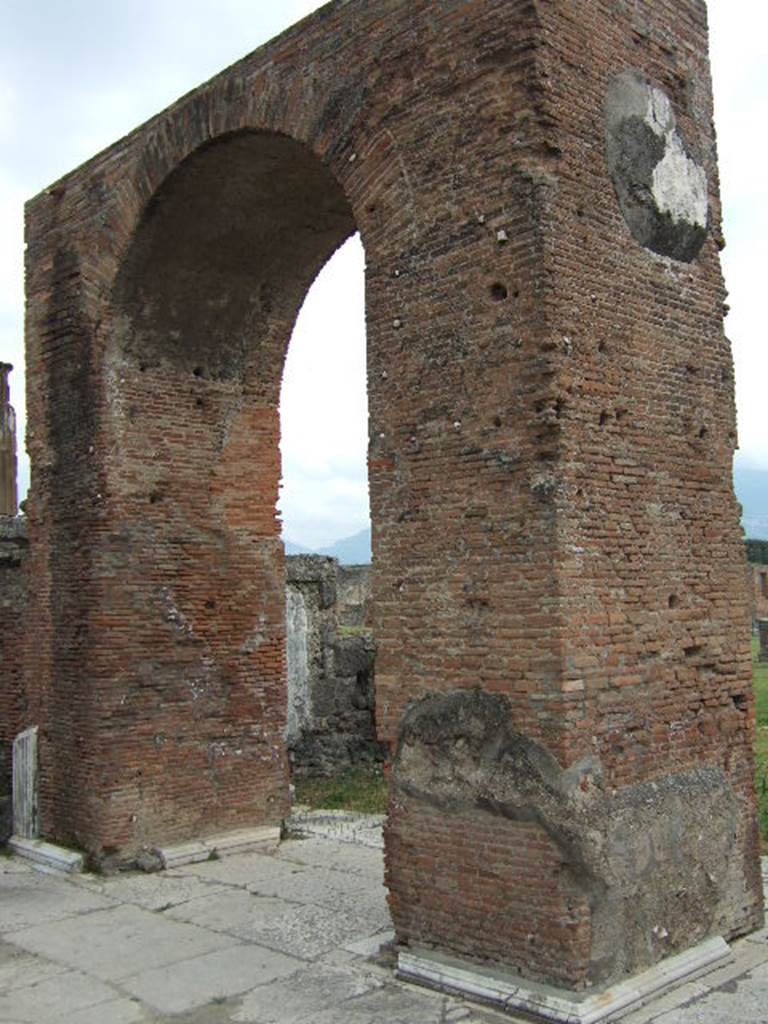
column 8, row 494
column 331, row 654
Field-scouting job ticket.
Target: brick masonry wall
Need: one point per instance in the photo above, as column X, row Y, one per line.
column 552, row 428
column 474, row 883
column 13, row 550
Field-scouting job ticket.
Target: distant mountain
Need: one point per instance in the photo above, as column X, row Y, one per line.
column 751, row 487
column 354, row 550
column 296, row 549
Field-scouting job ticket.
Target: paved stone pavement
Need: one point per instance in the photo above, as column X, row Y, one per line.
column 288, row 938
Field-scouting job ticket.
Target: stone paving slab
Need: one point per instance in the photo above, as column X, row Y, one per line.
column 116, row 1011
column 55, row 999
column 19, row 969
column 119, row 942
column 152, row 892
column 393, row 1004
column 206, row 979
column 306, row 994
column 741, row 1001
column 30, row 898
column 299, row 883
column 252, row 940
column 304, row 931
column 317, row 851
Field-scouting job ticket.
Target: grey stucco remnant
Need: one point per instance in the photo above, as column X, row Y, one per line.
column 654, row 860
column 662, row 190
column 14, row 540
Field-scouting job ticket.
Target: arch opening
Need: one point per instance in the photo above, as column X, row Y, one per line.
column 324, row 506
column 205, row 304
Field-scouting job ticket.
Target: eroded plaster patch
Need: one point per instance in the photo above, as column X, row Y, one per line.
column 680, row 185
column 654, row 860
column 662, row 190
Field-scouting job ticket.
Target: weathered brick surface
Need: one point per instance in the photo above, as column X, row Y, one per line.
column 477, row 884
column 551, row 424
column 13, row 550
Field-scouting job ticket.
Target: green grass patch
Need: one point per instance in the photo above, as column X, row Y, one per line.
column 361, row 789
column 355, row 631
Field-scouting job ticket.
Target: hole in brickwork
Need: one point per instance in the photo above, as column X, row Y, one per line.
column 199, row 403
column 693, row 650
column 703, row 432
column 497, row 421
column 602, row 347
column 210, row 605
column 498, row 292
column 198, row 371
column 673, row 601
column 604, row 417
column 739, row 701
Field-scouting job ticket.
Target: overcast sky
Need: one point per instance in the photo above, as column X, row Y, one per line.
column 76, row 76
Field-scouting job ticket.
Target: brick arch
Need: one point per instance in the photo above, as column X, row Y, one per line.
column 551, row 441
column 291, row 170
column 202, row 311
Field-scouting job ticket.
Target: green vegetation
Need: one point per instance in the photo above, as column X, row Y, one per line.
column 760, row 676
column 355, row 631
column 757, row 551
column 360, row 789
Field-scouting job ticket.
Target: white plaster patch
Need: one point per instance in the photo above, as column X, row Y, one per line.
column 662, row 190
column 680, row 185
column 299, row 702
column 659, row 116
